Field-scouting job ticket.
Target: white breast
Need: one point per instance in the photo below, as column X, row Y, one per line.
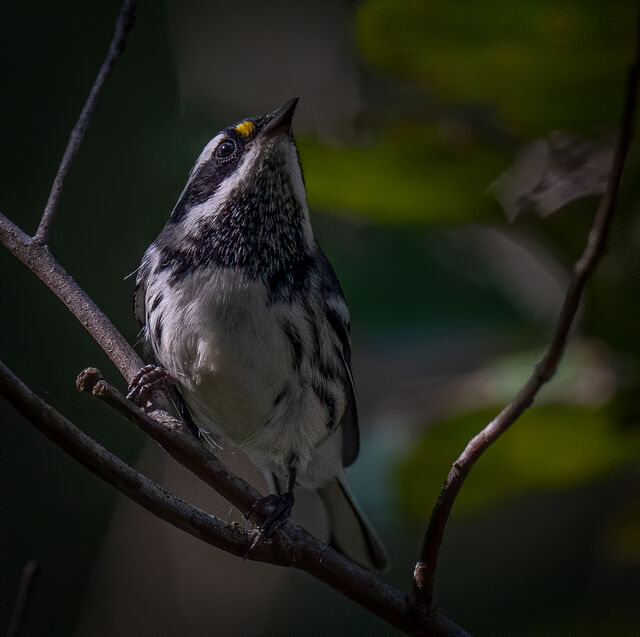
column 224, row 342
column 224, row 347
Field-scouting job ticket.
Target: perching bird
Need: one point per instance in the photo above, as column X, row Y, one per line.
column 242, row 309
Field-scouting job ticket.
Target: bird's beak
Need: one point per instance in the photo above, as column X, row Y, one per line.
column 280, row 121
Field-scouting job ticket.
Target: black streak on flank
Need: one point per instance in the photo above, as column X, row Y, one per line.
column 157, row 332
column 326, row 399
column 328, row 366
column 296, row 343
column 342, row 332
column 156, row 301
column 281, row 394
column 258, row 230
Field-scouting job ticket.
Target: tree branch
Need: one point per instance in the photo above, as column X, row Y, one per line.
column 177, row 441
column 123, row 26
column 296, row 547
column 123, row 477
column 424, row 572
column 38, row 258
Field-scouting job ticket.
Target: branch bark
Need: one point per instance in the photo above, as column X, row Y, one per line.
column 127, row 480
column 424, row 571
column 294, row 547
column 177, row 441
column 123, row 26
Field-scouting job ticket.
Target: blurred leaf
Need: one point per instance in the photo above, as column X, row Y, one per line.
column 543, row 65
column 623, row 537
column 410, row 173
column 549, row 173
column 550, row 447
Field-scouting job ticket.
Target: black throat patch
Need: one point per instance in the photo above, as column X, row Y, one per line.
column 259, row 230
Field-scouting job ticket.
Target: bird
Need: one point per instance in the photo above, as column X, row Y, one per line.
column 243, row 312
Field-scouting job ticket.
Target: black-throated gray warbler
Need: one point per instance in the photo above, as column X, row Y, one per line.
column 242, row 309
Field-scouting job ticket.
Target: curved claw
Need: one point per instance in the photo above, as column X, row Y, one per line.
column 280, row 506
column 148, row 379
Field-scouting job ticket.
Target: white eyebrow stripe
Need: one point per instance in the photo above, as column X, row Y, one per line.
column 205, row 155
column 215, row 202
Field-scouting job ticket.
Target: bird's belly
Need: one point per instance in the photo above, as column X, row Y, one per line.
column 238, row 376
column 229, row 350
column 229, row 355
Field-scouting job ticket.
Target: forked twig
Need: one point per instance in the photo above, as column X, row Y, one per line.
column 123, row 26
column 424, row 572
column 119, row 474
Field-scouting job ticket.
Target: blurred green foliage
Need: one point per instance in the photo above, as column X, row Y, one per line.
column 525, row 68
column 542, row 65
column 426, row 171
column 552, row 447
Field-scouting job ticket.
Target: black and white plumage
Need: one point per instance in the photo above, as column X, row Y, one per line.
column 241, row 307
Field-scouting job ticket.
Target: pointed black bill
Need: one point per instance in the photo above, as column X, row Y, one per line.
column 281, row 119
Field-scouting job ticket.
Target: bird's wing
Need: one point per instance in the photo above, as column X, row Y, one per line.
column 140, row 293
column 338, row 318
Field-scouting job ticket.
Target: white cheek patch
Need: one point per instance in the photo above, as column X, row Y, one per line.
column 207, row 210
column 212, row 206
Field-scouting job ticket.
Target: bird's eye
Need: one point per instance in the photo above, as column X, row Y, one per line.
column 225, row 148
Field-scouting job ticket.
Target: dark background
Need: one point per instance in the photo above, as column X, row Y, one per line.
column 408, row 112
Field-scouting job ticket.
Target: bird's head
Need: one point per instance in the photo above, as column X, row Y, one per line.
column 244, row 205
column 253, row 163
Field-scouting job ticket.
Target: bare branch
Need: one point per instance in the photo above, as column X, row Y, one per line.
column 123, row 477
column 424, row 572
column 23, row 598
column 44, row 265
column 123, row 26
column 296, row 548
column 177, row 441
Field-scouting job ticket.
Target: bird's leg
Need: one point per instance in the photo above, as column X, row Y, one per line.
column 148, row 379
column 279, row 506
column 152, row 377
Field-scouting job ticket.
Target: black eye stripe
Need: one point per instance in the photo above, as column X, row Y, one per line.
column 206, row 180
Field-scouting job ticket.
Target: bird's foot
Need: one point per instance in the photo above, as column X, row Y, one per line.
column 148, row 379
column 277, row 509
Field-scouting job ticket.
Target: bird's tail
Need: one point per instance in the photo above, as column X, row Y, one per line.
column 350, row 532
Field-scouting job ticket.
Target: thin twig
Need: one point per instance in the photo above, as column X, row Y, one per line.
column 424, row 572
column 123, row 26
column 23, row 598
column 178, row 442
column 38, row 258
column 298, row 548
column 127, row 480
column 301, row 549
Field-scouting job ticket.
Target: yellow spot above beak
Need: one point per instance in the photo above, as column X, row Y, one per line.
column 245, row 128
